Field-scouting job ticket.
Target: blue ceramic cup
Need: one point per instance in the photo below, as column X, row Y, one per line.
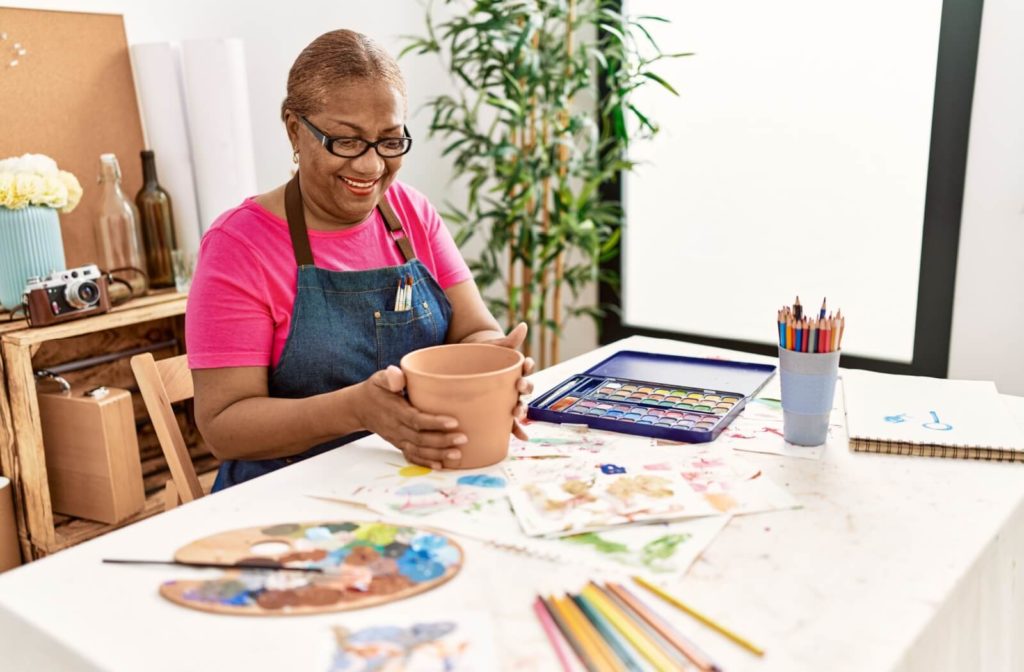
column 808, row 389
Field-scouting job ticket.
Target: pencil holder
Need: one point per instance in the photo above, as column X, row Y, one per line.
column 808, row 388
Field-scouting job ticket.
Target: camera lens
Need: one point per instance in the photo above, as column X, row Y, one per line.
column 82, row 294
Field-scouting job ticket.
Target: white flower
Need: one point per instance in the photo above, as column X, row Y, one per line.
column 34, row 179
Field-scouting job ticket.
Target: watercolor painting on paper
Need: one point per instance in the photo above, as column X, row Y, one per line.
column 450, row 643
column 560, row 497
column 412, row 490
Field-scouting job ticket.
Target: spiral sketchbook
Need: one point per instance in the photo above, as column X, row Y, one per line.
column 933, row 417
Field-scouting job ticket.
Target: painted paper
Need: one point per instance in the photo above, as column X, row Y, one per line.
column 460, row 642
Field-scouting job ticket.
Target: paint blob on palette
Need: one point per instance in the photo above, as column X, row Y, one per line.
column 460, row 642
column 363, row 564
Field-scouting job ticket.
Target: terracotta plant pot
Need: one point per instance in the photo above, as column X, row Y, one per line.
column 474, row 383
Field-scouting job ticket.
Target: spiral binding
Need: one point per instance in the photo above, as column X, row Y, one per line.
column 889, row 447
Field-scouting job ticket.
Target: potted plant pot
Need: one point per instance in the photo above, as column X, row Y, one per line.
column 476, row 384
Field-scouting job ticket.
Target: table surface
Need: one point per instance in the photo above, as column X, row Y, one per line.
column 847, row 582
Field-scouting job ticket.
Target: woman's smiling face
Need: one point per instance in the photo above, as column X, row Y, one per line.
column 342, row 191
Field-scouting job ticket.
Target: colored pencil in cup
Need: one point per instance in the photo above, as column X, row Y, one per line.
column 798, row 310
column 821, row 315
column 682, row 606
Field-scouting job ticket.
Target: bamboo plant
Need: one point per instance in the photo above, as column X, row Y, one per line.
column 541, row 118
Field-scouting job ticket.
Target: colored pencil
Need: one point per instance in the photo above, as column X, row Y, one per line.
column 842, row 328
column 826, row 341
column 640, row 641
column 789, row 334
column 599, row 652
column 676, row 602
column 821, row 315
column 666, row 647
column 605, row 629
column 551, row 630
column 398, row 295
column 582, row 652
column 782, row 330
column 214, row 565
column 799, row 335
column 813, row 340
column 673, row 636
column 798, row 310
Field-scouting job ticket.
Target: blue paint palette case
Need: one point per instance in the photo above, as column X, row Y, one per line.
column 663, row 396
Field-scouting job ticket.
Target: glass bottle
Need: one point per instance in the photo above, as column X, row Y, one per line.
column 157, row 221
column 118, row 241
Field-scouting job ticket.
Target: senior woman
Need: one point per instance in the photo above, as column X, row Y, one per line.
column 293, row 328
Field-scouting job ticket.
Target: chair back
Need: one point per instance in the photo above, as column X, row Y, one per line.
column 163, row 383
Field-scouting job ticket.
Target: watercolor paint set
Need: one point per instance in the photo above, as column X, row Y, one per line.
column 671, row 397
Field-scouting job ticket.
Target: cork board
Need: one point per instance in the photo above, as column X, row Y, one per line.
column 71, row 96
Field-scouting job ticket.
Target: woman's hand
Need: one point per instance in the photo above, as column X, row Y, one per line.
column 428, row 440
column 513, row 340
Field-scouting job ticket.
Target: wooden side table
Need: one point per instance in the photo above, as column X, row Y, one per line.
column 22, row 458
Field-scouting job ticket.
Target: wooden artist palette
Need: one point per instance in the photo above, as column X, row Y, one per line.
column 364, row 564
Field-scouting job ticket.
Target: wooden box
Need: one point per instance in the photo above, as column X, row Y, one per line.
column 92, row 454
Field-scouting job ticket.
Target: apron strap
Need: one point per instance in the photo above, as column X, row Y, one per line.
column 296, row 215
column 395, row 226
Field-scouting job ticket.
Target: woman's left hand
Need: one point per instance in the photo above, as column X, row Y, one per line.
column 513, row 340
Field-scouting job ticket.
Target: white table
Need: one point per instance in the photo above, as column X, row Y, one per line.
column 893, row 563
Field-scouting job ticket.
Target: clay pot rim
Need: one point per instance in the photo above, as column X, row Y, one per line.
column 403, row 364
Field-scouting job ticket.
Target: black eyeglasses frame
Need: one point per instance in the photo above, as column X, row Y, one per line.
column 327, row 141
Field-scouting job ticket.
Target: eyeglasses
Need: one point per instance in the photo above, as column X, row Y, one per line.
column 351, row 148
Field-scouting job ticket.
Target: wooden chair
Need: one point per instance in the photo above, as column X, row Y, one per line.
column 163, row 383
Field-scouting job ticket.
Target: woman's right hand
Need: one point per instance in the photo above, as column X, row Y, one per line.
column 428, row 440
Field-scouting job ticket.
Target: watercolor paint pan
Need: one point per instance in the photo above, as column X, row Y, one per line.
column 671, row 397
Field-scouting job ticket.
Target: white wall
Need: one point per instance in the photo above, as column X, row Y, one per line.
column 988, row 311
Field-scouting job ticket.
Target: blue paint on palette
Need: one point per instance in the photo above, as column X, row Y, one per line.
column 362, row 561
column 612, row 469
column 482, row 481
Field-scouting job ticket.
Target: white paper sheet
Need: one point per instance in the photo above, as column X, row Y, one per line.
column 219, row 124
column 157, row 68
column 928, row 411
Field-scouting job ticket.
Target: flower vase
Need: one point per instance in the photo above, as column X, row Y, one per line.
column 30, row 245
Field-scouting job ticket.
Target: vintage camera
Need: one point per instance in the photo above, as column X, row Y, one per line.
column 66, row 295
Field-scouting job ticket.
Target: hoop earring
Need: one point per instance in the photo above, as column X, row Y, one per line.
column 295, row 156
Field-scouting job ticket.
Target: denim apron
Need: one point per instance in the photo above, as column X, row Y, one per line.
column 344, row 328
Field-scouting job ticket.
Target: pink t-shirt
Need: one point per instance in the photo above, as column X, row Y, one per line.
column 240, row 304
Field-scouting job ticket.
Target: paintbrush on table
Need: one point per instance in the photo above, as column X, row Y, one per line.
column 269, row 566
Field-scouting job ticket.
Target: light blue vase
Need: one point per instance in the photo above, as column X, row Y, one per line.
column 30, row 244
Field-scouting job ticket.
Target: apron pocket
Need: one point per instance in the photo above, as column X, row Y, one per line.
column 400, row 332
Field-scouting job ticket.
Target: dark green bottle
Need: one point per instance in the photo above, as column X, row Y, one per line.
column 157, row 222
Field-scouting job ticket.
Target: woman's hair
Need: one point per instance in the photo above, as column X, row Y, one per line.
column 335, row 59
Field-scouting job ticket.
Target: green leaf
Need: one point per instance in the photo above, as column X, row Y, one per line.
column 659, row 80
